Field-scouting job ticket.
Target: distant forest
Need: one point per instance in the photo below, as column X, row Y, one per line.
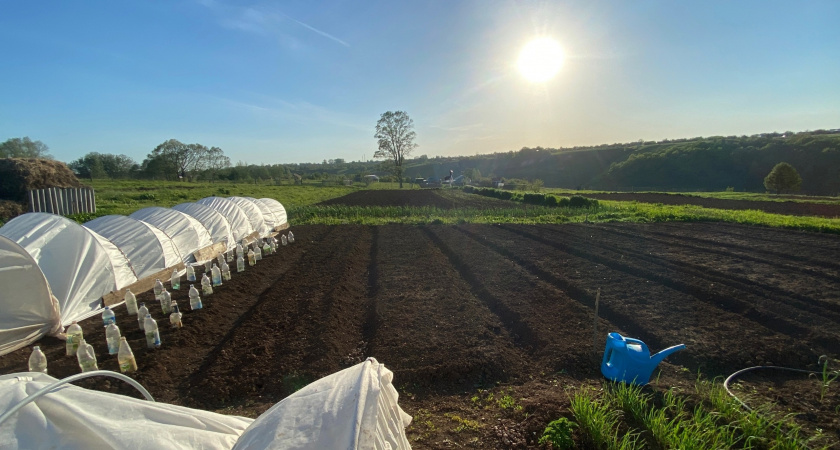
column 714, row 163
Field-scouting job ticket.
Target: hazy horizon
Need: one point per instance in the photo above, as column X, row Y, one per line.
column 300, row 82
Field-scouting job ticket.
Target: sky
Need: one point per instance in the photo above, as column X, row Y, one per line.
column 304, row 81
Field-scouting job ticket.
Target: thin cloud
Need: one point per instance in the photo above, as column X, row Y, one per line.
column 258, row 20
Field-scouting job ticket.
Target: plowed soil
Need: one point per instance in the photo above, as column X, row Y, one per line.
column 486, row 327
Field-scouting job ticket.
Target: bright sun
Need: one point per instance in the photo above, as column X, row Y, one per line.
column 540, row 60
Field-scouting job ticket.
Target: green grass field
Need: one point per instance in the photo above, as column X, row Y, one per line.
column 126, row 196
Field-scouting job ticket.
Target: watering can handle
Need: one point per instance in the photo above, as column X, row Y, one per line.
column 636, row 341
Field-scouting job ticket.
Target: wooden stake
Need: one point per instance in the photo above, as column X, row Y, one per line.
column 595, row 340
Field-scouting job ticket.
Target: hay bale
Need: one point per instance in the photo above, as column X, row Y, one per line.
column 20, row 175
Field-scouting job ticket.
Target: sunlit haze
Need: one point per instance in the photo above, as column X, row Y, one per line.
column 284, row 82
column 540, row 60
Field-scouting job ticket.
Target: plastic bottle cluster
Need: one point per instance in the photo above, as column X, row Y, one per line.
column 117, row 344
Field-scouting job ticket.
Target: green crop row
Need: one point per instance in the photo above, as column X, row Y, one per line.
column 623, row 416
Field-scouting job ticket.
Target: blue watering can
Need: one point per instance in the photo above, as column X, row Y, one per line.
column 629, row 360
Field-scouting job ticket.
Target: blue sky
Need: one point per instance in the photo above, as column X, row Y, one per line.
column 304, row 81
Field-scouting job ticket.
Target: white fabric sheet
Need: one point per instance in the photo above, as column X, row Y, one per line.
column 29, row 311
column 186, row 232
column 72, row 417
column 213, row 220
column 77, row 266
column 355, row 408
column 280, row 216
column 254, row 214
column 240, row 226
column 148, row 249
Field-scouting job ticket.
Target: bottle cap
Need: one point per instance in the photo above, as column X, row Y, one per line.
column 148, row 316
column 36, row 347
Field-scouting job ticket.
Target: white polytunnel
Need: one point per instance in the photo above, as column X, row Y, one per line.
column 79, row 265
column 149, row 250
column 29, row 309
column 213, row 220
column 270, row 219
column 280, row 217
column 240, row 226
column 187, row 233
column 254, row 214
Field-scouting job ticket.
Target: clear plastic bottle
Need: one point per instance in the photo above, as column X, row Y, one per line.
column 251, row 258
column 126, row 357
column 165, row 301
column 37, row 360
column 257, row 252
column 86, row 357
column 142, row 312
column 240, row 264
column 190, row 273
column 158, row 288
column 175, row 280
column 130, row 302
column 216, row 275
column 239, row 250
column 206, row 286
column 291, row 238
column 108, row 316
column 266, row 249
column 225, row 271
column 152, row 332
column 283, row 240
column 175, row 317
column 74, row 336
column 220, row 258
column 195, row 299
column 229, row 256
column 112, row 337
column 273, row 244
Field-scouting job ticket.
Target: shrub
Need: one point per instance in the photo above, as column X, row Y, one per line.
column 582, row 202
column 551, row 200
column 559, row 434
column 533, row 199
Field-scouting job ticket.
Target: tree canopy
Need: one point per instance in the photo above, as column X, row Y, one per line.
column 783, row 178
column 24, row 148
column 395, row 136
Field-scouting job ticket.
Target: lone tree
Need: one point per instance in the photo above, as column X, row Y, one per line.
column 783, row 178
column 395, row 134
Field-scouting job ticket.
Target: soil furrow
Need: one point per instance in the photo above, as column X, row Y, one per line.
column 816, row 311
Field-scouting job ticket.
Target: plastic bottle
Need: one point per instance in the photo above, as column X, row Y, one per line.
column 112, row 337
column 239, row 250
column 283, row 240
column 130, row 302
column 165, row 301
column 229, row 256
column 175, row 317
column 291, row 238
column 158, row 288
column 240, row 264
column 257, row 252
column 216, row 275
column 126, row 357
column 225, row 271
column 74, row 336
column 195, row 299
column 108, row 316
column 251, row 258
column 206, row 286
column 190, row 273
column 152, row 333
column 220, row 258
column 273, row 244
column 37, row 360
column 86, row 357
column 266, row 248
column 142, row 312
column 175, row 280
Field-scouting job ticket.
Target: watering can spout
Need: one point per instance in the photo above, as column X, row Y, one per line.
column 657, row 358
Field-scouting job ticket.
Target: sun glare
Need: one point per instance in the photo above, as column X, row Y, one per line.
column 540, row 60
